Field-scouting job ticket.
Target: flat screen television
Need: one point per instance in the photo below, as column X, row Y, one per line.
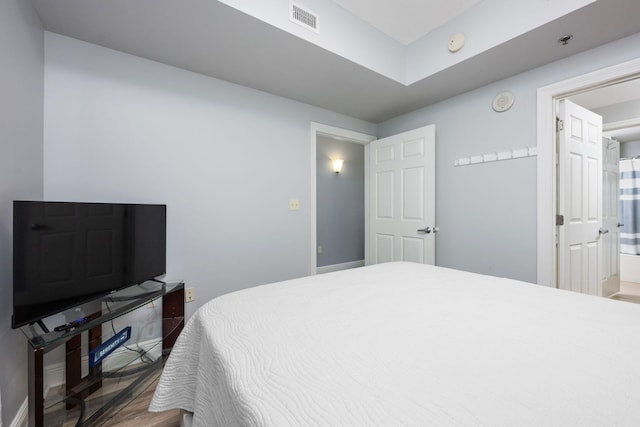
column 68, row 253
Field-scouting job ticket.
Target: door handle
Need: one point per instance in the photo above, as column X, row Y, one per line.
column 428, row 230
column 620, row 224
column 601, row 231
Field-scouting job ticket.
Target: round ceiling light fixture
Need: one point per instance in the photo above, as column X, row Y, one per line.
column 502, row 101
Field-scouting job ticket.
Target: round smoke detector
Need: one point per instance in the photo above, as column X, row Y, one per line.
column 502, row 102
column 456, row 42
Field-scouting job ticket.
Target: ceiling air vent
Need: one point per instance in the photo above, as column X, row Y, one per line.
column 303, row 17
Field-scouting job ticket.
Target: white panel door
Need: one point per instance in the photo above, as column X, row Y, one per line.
column 610, row 240
column 579, row 199
column 402, row 202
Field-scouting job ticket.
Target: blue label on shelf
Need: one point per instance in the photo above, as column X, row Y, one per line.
column 106, row 348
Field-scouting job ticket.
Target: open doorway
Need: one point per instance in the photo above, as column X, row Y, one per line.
column 619, row 106
column 547, row 251
column 399, row 191
column 340, row 204
column 352, row 148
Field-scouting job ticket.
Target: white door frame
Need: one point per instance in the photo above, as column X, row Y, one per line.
column 349, row 136
column 546, row 169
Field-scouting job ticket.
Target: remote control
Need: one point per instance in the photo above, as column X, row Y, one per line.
column 71, row 325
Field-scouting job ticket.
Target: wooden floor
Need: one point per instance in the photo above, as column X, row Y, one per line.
column 629, row 291
column 133, row 413
column 136, row 415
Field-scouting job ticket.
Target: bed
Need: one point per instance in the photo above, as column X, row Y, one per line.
column 402, row 344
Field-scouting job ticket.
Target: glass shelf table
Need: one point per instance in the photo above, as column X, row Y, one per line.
column 89, row 394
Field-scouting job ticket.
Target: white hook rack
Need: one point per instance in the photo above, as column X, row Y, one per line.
column 517, row 153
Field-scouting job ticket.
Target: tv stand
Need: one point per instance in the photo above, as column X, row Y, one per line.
column 92, row 394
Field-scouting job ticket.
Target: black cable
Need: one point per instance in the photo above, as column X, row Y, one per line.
column 142, row 353
column 83, row 407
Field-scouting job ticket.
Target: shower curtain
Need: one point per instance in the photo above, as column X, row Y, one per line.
column 630, row 206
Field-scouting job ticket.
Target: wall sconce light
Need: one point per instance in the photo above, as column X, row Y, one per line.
column 337, row 165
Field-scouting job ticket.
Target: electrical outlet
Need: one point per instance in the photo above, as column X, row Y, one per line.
column 319, row 249
column 189, row 294
column 294, row 204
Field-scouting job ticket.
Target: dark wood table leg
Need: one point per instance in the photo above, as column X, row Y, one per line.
column 36, row 386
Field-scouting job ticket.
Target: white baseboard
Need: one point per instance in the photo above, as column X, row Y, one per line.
column 22, row 417
column 338, row 267
column 53, row 376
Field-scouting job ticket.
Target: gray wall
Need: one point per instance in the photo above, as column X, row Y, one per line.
column 487, row 212
column 340, row 202
column 21, row 89
column 630, row 149
column 225, row 159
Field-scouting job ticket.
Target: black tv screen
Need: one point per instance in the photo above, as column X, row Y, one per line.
column 67, row 253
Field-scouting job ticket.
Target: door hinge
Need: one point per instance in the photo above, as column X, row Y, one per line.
column 559, row 124
column 559, row 219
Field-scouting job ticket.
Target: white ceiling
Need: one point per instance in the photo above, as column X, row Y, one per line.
column 609, row 95
column 406, row 20
column 214, row 39
column 627, row 134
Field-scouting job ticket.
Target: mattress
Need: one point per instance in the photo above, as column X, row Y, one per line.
column 402, row 344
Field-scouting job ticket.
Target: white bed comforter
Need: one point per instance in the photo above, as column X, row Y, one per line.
column 404, row 344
